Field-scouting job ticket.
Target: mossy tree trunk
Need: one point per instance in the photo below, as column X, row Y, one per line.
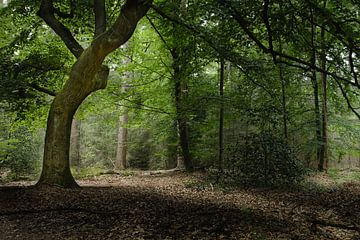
column 75, row 156
column 87, row 75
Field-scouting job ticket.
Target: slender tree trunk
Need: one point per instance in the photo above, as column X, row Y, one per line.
column 317, row 123
column 180, row 113
column 283, row 97
column 221, row 114
column 316, row 99
column 283, row 103
column 172, row 148
column 122, row 139
column 75, row 157
column 121, row 152
column 324, row 159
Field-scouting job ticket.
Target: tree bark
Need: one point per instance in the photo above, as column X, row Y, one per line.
column 283, row 103
column 316, row 99
column 121, row 152
column 56, row 167
column 283, row 96
column 317, row 122
column 324, row 159
column 87, row 75
column 181, row 118
column 221, row 114
column 75, row 157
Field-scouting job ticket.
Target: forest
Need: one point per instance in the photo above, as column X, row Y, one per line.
column 180, row 119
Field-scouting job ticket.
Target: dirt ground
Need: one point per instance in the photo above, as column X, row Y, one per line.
column 164, row 207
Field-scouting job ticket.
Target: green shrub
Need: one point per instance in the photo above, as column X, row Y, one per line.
column 262, row 160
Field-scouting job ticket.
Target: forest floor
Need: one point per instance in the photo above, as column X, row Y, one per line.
column 177, row 206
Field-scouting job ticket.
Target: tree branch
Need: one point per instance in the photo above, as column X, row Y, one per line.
column 42, row 89
column 352, row 67
column 66, row 15
column 123, row 28
column 46, row 12
column 343, row 92
column 265, row 17
column 100, row 17
column 158, row 33
column 244, row 25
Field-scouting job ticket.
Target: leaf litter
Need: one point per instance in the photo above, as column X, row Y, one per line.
column 163, row 207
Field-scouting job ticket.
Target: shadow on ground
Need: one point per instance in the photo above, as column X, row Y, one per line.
column 135, row 212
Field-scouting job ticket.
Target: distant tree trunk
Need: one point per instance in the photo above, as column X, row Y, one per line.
column 221, row 114
column 315, row 86
column 180, row 89
column 180, row 163
column 172, row 147
column 75, row 157
column 317, row 123
column 283, row 96
column 283, row 103
column 324, row 159
column 122, row 138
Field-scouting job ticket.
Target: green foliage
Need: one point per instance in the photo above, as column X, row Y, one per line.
column 20, row 152
column 343, row 176
column 87, row 172
column 140, row 151
column 30, row 53
column 262, row 160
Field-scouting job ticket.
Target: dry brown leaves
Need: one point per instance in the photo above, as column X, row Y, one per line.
column 161, row 207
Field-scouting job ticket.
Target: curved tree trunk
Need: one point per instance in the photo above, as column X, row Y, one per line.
column 87, row 75
column 56, row 164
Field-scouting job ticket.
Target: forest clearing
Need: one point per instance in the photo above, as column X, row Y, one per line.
column 179, row 206
column 179, row 119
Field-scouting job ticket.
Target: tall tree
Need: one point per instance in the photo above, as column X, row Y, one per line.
column 323, row 163
column 221, row 114
column 180, row 90
column 122, row 137
column 315, row 85
column 86, row 76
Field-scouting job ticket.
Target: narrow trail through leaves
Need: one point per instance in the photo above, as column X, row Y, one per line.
column 162, row 207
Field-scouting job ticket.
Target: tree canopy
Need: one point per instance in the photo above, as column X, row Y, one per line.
column 289, row 71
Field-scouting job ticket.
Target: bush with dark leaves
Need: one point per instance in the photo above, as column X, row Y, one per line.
column 262, row 160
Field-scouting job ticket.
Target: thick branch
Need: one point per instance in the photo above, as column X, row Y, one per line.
column 123, row 28
column 46, row 12
column 100, row 17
